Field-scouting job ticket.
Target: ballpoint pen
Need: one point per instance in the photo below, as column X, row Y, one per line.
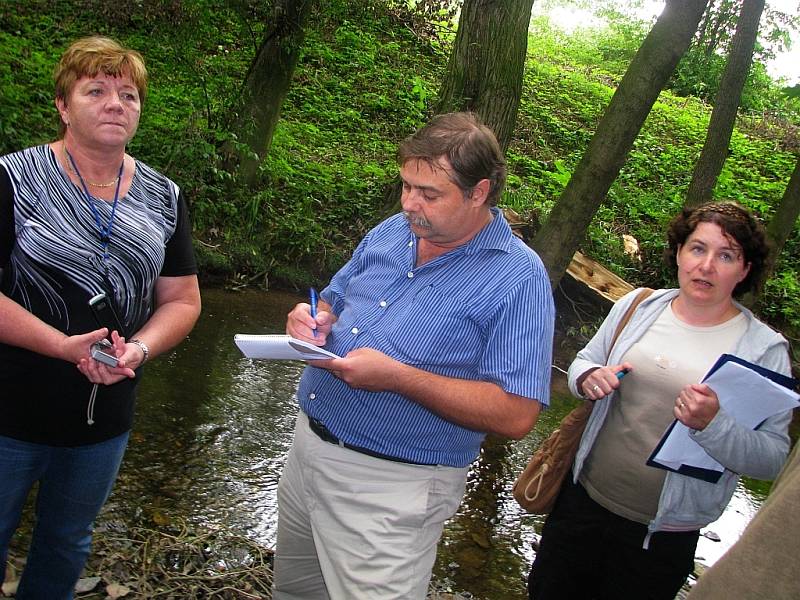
column 312, row 293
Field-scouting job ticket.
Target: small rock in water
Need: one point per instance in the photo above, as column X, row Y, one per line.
column 712, row 536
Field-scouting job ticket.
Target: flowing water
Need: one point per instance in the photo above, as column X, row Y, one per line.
column 212, row 430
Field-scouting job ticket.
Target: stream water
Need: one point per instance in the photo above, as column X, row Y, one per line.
column 212, row 430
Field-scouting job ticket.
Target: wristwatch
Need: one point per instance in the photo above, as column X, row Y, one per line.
column 143, row 347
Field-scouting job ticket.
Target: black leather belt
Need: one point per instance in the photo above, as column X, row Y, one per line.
column 323, row 433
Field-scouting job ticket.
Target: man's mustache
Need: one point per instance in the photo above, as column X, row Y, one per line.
column 419, row 221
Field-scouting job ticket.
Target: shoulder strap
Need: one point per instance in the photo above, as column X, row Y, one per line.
column 641, row 296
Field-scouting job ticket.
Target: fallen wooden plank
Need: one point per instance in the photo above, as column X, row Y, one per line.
column 598, row 278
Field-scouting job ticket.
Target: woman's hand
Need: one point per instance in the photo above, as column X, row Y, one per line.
column 696, row 406
column 599, row 383
column 128, row 355
column 73, row 348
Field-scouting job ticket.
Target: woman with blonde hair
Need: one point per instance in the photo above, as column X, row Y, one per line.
column 81, row 220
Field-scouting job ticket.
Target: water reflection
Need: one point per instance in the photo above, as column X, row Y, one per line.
column 212, row 430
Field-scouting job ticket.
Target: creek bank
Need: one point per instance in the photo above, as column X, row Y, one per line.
column 175, row 563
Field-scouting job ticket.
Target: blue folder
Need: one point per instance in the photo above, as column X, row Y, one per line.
column 711, row 475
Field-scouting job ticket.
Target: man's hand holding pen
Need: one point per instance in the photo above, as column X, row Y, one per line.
column 302, row 325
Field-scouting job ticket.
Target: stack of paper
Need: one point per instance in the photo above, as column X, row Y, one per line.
column 748, row 392
column 279, row 347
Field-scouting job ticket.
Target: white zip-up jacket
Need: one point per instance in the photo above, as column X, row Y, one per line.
column 686, row 502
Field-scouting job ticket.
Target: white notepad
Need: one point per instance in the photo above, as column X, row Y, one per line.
column 279, row 347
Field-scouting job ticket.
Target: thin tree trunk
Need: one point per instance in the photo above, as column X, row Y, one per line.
column 781, row 225
column 723, row 117
column 267, row 83
column 650, row 69
column 485, row 70
column 783, row 221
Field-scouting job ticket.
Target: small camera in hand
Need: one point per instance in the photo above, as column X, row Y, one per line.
column 103, row 352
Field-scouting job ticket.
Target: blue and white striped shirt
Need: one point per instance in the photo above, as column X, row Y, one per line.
column 482, row 311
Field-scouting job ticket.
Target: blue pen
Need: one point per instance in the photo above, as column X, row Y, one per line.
column 621, row 374
column 312, row 293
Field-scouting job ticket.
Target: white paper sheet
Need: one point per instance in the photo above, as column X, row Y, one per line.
column 279, row 347
column 743, row 393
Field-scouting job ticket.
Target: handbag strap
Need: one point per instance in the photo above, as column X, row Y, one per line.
column 640, row 297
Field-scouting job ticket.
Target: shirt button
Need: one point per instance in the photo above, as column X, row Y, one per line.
column 312, row 396
column 383, row 304
column 411, row 243
column 354, row 330
column 410, row 275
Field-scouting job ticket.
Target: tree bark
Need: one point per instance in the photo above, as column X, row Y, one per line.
column 267, row 83
column 723, row 117
column 486, row 66
column 783, row 221
column 650, row 69
column 780, row 226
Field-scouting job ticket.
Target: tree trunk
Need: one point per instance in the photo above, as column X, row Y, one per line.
column 785, row 218
column 485, row 70
column 267, row 83
column 650, row 69
column 723, row 117
column 486, row 66
column 782, row 224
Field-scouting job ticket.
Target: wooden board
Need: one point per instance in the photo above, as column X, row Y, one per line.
column 598, row 278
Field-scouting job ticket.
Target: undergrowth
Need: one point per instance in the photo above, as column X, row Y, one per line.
column 367, row 77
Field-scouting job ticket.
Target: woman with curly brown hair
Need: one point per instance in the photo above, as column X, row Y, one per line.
column 621, row 528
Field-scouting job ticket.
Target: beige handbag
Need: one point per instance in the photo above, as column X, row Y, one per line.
column 538, row 485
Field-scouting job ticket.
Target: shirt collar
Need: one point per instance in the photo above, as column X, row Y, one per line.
column 496, row 235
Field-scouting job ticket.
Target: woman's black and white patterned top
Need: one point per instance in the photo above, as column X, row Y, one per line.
column 52, row 263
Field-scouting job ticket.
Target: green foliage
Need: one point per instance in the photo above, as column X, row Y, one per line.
column 367, row 77
column 619, row 41
column 698, row 74
column 28, row 114
column 781, row 298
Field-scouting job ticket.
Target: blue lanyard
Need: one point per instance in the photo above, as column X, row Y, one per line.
column 105, row 232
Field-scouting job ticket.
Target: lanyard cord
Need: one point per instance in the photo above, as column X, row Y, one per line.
column 105, row 232
column 90, row 407
column 105, row 238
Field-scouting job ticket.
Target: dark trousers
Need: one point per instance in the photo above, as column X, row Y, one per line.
column 587, row 552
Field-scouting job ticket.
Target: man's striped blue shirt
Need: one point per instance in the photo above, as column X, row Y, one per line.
column 482, row 311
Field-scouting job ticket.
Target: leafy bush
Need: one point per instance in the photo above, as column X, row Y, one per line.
column 367, row 77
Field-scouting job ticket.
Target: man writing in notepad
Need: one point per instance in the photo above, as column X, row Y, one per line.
column 444, row 320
